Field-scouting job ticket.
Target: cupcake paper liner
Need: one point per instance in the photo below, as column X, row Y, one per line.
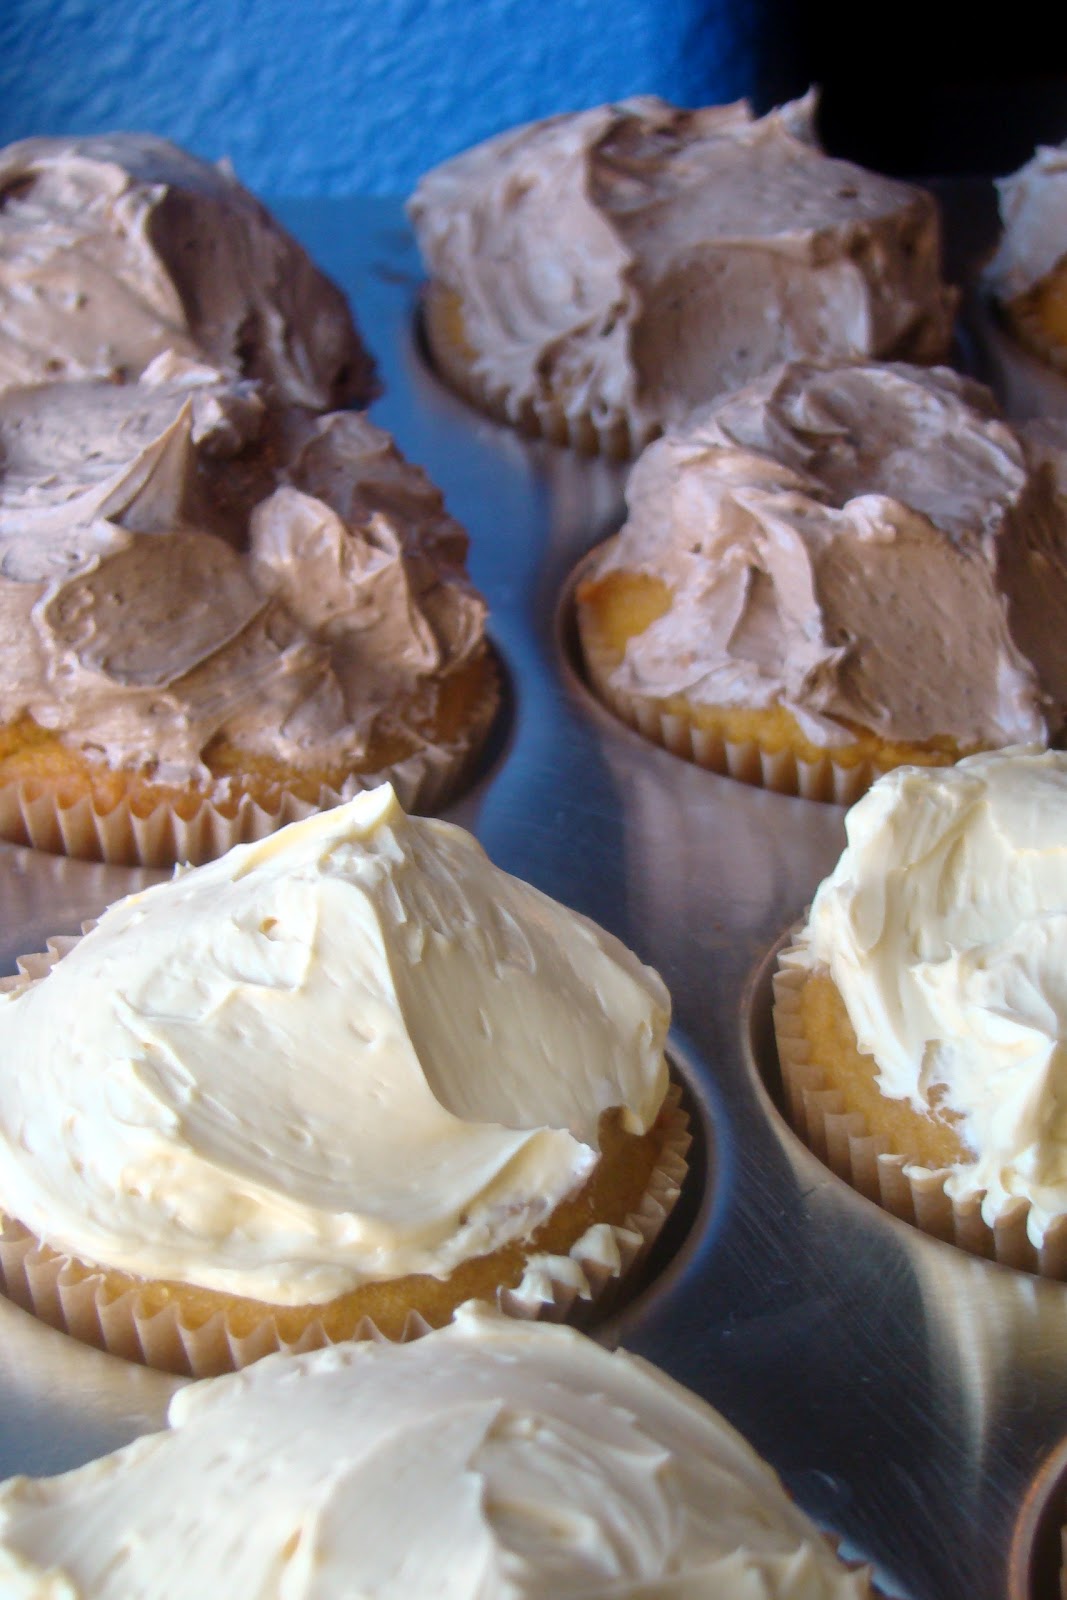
column 747, row 761
column 72, row 1296
column 33, row 814
column 916, row 1194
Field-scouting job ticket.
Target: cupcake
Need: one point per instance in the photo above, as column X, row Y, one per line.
column 218, row 616
column 514, row 1460
column 596, row 275
column 922, row 1012
column 334, row 1083
column 837, row 569
column 118, row 247
column 1027, row 275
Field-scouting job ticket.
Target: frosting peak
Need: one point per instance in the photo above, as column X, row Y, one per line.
column 352, row 1051
column 117, row 247
column 866, row 544
column 490, row 1458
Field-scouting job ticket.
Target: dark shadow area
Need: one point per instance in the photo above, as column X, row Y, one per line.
column 910, row 89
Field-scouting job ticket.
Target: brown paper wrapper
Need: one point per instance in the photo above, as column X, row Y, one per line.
column 72, row 1297
column 841, row 1138
column 32, row 814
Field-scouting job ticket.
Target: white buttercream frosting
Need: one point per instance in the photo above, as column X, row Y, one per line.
column 492, row 1459
column 349, row 1052
column 944, row 928
column 1033, row 210
column 866, row 544
column 634, row 260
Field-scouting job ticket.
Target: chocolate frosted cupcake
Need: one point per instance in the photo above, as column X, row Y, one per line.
column 835, row 570
column 595, row 276
column 514, row 1459
column 333, row 1084
column 922, row 1013
column 117, row 247
column 218, row 616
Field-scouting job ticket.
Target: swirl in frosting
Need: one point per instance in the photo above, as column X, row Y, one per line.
column 868, row 545
column 352, row 1051
column 491, row 1458
column 117, row 247
column 179, row 563
column 632, row 261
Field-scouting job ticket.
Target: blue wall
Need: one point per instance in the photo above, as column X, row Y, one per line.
column 344, row 96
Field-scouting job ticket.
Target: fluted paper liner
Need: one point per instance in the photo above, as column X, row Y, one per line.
column 616, row 435
column 31, row 813
column 916, row 1194
column 747, row 761
column 71, row 1296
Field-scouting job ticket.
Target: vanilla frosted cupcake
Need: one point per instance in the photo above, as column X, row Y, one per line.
column 837, row 569
column 1028, row 273
column 117, row 247
column 341, row 1079
column 596, row 275
column 922, row 1014
column 516, row 1459
column 217, row 616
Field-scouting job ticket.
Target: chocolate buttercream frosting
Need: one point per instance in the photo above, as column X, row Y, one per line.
column 635, row 260
column 117, row 247
column 868, row 545
column 179, row 562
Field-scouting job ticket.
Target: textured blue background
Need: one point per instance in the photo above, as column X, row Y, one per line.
column 315, row 97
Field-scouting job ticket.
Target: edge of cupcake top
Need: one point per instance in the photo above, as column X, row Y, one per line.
column 488, row 1457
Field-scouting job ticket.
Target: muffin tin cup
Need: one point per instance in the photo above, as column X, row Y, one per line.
column 73, row 1297
column 31, row 814
column 841, row 1138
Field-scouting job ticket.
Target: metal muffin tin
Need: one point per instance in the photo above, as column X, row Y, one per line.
column 911, row 1397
